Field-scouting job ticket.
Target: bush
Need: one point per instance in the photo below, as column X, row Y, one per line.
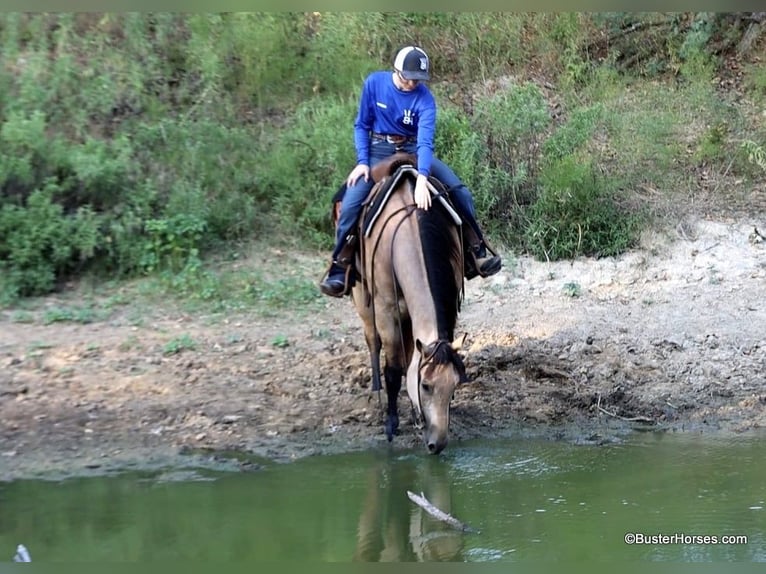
column 576, row 214
column 303, row 165
column 572, row 136
column 40, row 243
column 513, row 123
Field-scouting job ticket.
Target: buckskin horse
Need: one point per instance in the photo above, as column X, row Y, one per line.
column 407, row 291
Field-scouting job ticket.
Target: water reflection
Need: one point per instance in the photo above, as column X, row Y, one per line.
column 531, row 500
column 393, row 529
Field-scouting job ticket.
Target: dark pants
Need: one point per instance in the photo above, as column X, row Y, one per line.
column 355, row 195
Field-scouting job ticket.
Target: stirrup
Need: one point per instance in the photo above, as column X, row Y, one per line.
column 489, row 265
column 479, row 262
column 336, row 284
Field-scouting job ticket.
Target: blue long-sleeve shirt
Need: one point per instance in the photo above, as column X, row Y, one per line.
column 385, row 109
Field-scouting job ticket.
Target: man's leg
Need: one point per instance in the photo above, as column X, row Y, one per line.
column 335, row 282
column 463, row 200
column 458, row 193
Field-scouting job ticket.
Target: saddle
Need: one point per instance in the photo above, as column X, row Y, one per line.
column 380, row 194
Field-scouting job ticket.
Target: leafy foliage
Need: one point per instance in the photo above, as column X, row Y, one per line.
column 575, row 214
column 141, row 142
column 39, row 242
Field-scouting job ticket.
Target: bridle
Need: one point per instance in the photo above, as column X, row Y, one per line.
column 422, row 364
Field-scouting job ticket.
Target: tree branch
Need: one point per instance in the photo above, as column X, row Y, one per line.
column 422, row 501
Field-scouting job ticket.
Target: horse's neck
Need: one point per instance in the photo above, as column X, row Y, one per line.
column 409, row 267
column 420, row 305
column 412, row 279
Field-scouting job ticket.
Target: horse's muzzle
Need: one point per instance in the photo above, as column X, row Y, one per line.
column 436, row 446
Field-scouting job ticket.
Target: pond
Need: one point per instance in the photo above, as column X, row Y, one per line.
column 529, row 500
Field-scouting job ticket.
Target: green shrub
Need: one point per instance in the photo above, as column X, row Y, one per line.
column 40, row 243
column 572, row 136
column 165, row 135
column 576, row 214
column 513, row 123
column 303, row 165
column 172, row 242
column 461, row 147
column 568, row 31
column 24, row 144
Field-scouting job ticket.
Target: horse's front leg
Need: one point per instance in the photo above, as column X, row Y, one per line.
column 393, row 377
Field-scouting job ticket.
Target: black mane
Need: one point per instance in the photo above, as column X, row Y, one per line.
column 441, row 252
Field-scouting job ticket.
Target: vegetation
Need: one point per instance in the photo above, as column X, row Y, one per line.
column 144, row 144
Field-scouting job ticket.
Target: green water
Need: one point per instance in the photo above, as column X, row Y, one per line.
column 530, row 500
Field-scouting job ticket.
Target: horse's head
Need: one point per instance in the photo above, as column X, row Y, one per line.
column 432, row 378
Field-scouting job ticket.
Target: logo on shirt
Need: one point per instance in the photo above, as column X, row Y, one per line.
column 408, row 120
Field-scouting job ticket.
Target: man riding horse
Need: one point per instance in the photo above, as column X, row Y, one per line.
column 397, row 112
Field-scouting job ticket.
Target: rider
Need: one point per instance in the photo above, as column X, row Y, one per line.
column 397, row 112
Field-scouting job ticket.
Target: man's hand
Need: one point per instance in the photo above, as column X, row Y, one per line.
column 360, row 170
column 422, row 193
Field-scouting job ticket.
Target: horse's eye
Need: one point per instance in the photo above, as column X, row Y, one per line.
column 427, row 387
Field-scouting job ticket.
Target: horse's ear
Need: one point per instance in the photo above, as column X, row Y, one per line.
column 460, row 366
column 458, row 343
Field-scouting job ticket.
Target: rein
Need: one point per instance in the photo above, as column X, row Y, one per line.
column 409, row 209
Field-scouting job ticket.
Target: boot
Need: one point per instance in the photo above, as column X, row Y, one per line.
column 334, row 283
column 487, row 265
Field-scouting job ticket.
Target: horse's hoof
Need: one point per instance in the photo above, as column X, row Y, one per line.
column 391, row 427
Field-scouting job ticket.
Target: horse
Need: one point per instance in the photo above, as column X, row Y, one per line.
column 408, row 294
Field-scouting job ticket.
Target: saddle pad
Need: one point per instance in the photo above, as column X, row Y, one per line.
column 389, row 185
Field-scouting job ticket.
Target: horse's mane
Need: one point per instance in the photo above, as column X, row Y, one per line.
column 441, row 254
column 441, row 352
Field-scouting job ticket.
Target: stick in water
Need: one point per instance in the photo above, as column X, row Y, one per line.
column 423, row 502
column 22, row 554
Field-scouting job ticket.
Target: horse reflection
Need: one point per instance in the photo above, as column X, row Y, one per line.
column 393, row 529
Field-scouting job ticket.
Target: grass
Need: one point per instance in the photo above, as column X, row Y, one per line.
column 22, row 316
column 179, row 344
column 39, row 346
column 572, row 289
column 130, row 344
column 280, row 341
column 82, row 315
column 250, row 284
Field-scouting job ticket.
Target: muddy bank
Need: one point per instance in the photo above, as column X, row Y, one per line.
column 669, row 336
